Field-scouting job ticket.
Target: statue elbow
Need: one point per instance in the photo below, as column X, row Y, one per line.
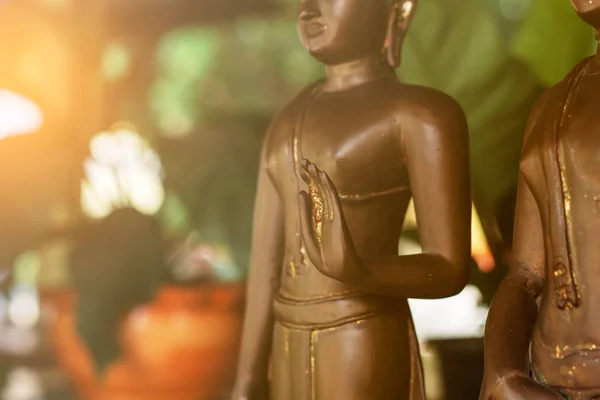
column 459, row 278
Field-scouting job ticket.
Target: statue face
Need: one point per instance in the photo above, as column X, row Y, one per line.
column 588, row 10
column 337, row 31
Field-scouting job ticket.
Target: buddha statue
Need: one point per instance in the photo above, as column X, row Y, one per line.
column 327, row 309
column 542, row 338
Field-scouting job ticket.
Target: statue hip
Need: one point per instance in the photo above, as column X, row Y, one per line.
column 357, row 347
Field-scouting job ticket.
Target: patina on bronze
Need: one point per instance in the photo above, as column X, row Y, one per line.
column 543, row 331
column 327, row 290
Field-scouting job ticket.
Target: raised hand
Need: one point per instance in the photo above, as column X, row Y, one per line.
column 324, row 230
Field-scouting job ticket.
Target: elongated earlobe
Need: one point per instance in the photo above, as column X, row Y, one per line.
column 398, row 23
column 391, row 42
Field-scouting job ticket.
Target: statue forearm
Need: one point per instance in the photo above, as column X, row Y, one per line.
column 257, row 332
column 425, row 276
column 508, row 334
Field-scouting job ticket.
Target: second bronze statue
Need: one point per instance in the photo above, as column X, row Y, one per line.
column 542, row 339
column 327, row 310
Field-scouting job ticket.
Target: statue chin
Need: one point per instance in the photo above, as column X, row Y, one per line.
column 321, row 48
column 588, row 10
column 330, row 50
column 330, row 57
column 317, row 53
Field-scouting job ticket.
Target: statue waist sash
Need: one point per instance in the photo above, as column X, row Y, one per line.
column 332, row 311
column 336, row 311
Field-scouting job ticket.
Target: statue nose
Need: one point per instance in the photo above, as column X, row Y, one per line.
column 309, row 10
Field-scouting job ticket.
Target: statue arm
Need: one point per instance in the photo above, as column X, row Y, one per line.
column 263, row 280
column 435, row 144
column 513, row 312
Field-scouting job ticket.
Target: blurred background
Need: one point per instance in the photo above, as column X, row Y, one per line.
column 129, row 139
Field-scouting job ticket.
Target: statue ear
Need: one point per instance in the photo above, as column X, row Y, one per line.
column 398, row 24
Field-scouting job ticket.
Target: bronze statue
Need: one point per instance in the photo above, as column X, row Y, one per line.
column 327, row 290
column 543, row 331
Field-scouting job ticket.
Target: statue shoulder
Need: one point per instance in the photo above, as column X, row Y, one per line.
column 282, row 124
column 290, row 110
column 538, row 108
column 430, row 111
column 560, row 90
column 555, row 96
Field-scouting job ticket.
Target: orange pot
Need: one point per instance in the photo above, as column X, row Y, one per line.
column 181, row 346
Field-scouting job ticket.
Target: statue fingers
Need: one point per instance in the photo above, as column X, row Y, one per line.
column 304, row 173
column 317, row 190
column 310, row 233
column 334, row 205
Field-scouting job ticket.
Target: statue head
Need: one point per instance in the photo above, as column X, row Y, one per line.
column 589, row 11
column 339, row 31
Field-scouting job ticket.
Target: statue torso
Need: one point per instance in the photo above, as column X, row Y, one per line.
column 354, row 137
column 566, row 341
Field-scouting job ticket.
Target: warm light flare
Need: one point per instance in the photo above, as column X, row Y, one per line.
column 480, row 249
column 18, row 115
column 123, row 171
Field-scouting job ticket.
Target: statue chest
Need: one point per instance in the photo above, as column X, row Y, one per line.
column 580, row 138
column 561, row 160
column 359, row 148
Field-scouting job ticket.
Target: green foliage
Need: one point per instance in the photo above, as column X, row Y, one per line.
column 174, row 216
column 214, row 175
column 252, row 65
column 185, row 57
column 552, row 39
column 457, row 47
column 26, row 268
column 495, row 69
column 115, row 62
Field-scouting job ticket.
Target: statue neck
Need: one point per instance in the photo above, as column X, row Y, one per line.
column 348, row 75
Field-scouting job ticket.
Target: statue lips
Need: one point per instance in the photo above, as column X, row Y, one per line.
column 311, row 23
column 315, row 28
